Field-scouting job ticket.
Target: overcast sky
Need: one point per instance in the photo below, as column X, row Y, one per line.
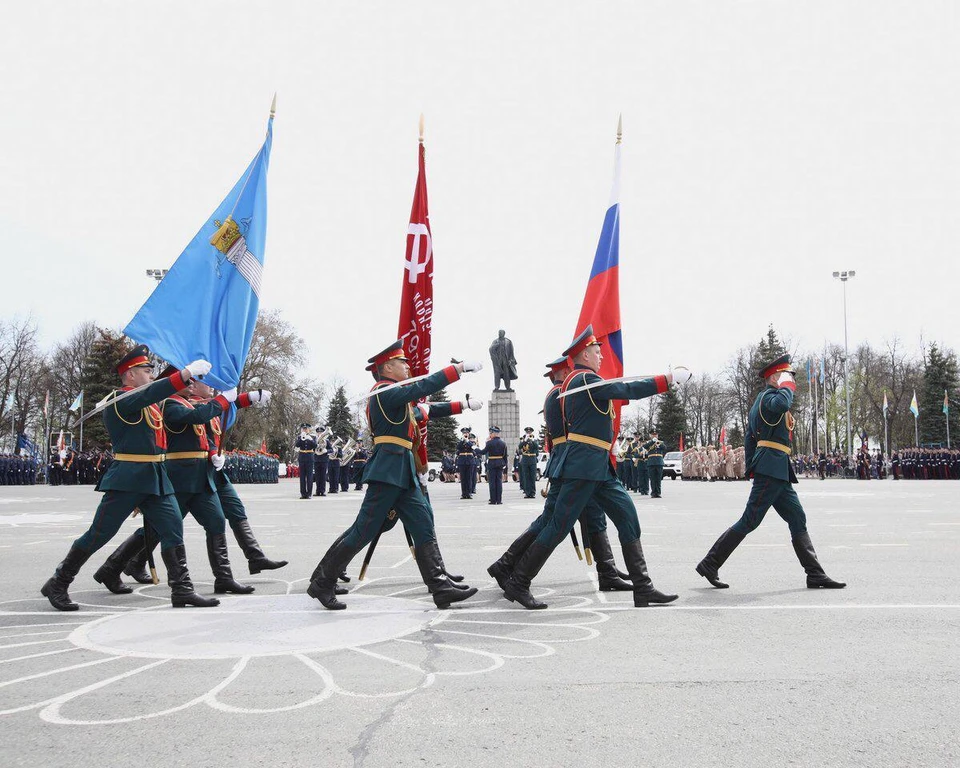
column 765, row 145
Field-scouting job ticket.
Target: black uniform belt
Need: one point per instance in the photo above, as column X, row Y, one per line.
column 776, row 446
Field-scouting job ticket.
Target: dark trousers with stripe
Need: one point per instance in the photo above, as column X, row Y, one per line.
column 466, row 472
column 592, row 514
column 412, row 509
column 206, row 509
column 770, row 492
column 306, row 474
column 656, row 476
column 594, row 498
column 495, row 482
column 161, row 512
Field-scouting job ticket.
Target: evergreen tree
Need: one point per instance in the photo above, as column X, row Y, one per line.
column 939, row 374
column 735, row 436
column 339, row 418
column 673, row 418
column 441, row 432
column 98, row 380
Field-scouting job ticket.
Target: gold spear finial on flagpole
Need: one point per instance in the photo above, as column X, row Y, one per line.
column 273, row 106
column 421, row 127
column 620, row 128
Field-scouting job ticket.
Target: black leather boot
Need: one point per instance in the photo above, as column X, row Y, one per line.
column 108, row 574
column 323, row 582
column 816, row 578
column 502, row 569
column 55, row 589
column 517, row 587
column 256, row 560
column 344, row 578
column 136, row 567
column 607, row 574
column 434, row 576
column 722, row 548
column 223, row 581
column 644, row 593
column 178, row 577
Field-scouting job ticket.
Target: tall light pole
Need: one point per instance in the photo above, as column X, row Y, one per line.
column 843, row 277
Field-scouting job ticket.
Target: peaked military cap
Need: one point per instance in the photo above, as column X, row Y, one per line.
column 465, row 431
column 781, row 363
column 653, row 431
column 583, row 340
column 393, row 352
column 495, row 430
column 304, row 426
column 134, row 358
column 528, row 429
column 557, row 365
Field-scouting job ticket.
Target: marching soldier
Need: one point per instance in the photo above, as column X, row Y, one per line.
column 496, row 452
column 306, row 447
column 392, row 482
column 768, row 447
column 137, row 479
column 465, row 459
column 653, row 450
column 588, row 475
column 529, row 449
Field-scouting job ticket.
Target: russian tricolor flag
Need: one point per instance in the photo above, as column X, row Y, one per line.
column 601, row 304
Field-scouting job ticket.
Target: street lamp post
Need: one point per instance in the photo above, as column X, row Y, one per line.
column 843, row 277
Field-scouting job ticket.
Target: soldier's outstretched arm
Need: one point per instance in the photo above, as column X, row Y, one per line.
column 177, row 413
column 628, row 390
column 157, row 391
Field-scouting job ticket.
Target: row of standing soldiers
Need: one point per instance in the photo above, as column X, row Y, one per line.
column 249, row 467
column 71, row 467
column 640, row 464
column 926, row 464
column 324, row 466
column 708, row 464
column 18, row 470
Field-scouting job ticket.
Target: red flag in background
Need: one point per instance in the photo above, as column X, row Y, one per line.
column 681, row 442
column 263, row 446
column 416, row 298
column 723, row 439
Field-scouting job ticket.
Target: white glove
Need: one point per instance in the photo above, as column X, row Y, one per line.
column 261, row 396
column 784, row 377
column 230, row 395
column 472, row 403
column 218, row 460
column 681, row 374
column 198, row 368
column 470, row 367
column 422, row 478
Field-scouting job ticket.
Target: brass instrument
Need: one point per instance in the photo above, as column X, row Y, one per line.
column 349, row 449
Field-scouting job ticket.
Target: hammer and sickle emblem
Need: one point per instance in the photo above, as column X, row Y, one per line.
column 413, row 264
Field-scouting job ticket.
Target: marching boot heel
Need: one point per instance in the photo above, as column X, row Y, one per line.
column 816, row 577
column 434, row 575
column 644, row 593
column 256, row 560
column 55, row 588
column 608, row 577
column 136, row 568
column 502, row 569
column 178, row 577
column 722, row 548
column 108, row 574
column 223, row 581
column 517, row 587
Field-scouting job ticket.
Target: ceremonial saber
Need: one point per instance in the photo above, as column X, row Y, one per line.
column 622, row 379
column 586, row 541
column 108, row 401
column 369, row 555
column 409, row 541
column 381, row 390
column 148, row 548
column 576, row 544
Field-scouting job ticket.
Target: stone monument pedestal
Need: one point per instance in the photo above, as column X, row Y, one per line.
column 503, row 411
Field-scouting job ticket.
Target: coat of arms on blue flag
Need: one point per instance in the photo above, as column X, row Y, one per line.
column 206, row 306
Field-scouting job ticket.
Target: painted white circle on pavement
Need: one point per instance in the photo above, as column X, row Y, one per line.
column 271, row 625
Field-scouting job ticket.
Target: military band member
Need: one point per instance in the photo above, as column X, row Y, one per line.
column 767, row 448
column 334, row 454
column 588, row 474
column 529, row 450
column 137, row 479
column 359, row 462
column 392, row 481
column 654, row 449
column 306, row 446
column 320, row 463
column 643, row 473
column 465, row 461
column 496, row 452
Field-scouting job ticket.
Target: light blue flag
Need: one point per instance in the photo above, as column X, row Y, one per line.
column 78, row 401
column 206, row 305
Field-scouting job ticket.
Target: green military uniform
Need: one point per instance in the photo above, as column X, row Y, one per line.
column 392, row 485
column 767, row 449
column 653, row 450
column 136, row 479
column 529, row 450
column 588, row 475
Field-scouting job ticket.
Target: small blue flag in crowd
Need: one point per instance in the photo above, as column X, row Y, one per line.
column 946, row 403
column 77, row 403
column 914, row 408
column 206, row 305
column 26, row 445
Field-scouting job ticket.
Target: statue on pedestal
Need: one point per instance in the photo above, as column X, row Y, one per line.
column 504, row 363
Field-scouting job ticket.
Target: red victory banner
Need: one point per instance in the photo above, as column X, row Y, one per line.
column 416, row 300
